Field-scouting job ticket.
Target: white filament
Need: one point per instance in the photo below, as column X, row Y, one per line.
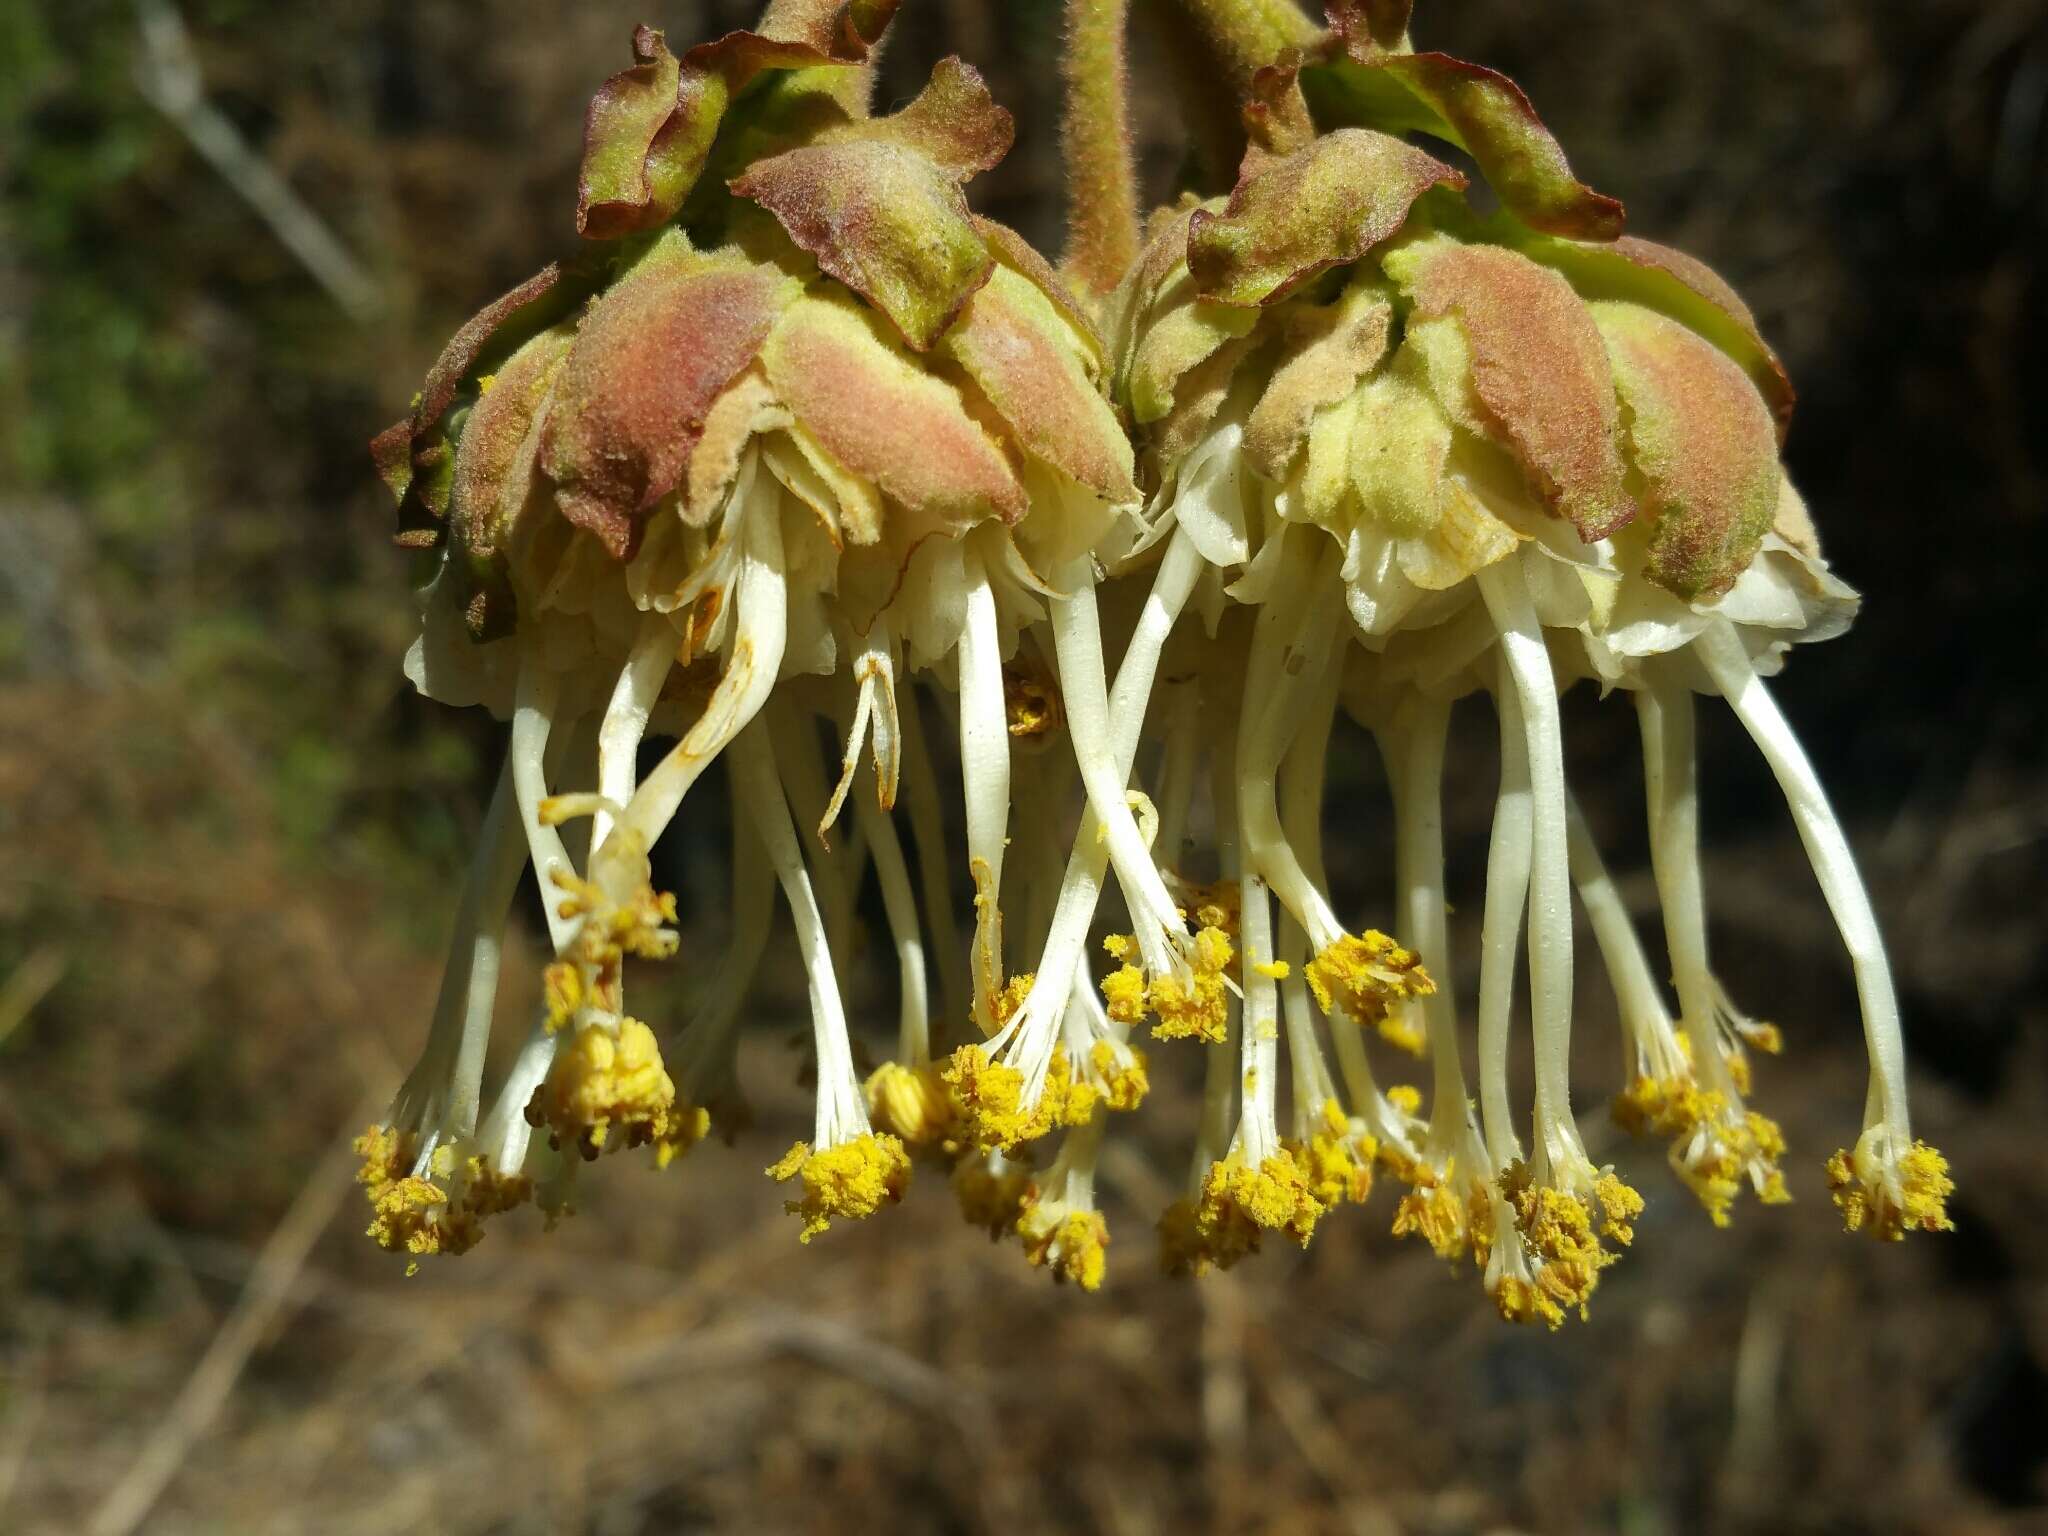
column 1292, row 643
column 1258, row 1131
column 1077, row 636
column 1527, row 659
column 1649, row 1043
column 933, row 871
column 532, row 725
column 1507, row 889
column 625, row 718
column 841, row 1115
column 874, row 711
column 913, row 1026
column 1721, row 650
column 1415, row 762
column 985, row 780
column 1038, row 1021
column 1670, row 784
column 760, row 604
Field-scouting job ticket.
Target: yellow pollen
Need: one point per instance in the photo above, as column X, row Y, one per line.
column 1520, row 1301
column 1365, row 975
column 406, row 1218
column 1761, row 1036
column 1712, row 1150
column 563, row 991
column 1910, row 1196
column 1071, row 1246
column 1120, row 1076
column 1238, row 1200
column 1336, row 1164
column 852, row 1180
column 1123, row 995
column 686, row 1125
column 1557, row 1229
column 990, row 1095
column 1197, row 1009
column 417, row 1216
column 1214, row 906
column 1619, row 1207
column 1009, row 997
column 386, row 1155
column 601, row 1082
column 1449, row 1222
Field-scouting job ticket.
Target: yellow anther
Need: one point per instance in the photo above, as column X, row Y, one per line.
column 1070, row 1245
column 1185, row 1248
column 1009, row 997
column 1192, row 1008
column 1712, row 1151
column 990, row 1199
column 1274, row 1195
column 563, row 992
column 1521, row 1301
column 914, row 1104
column 1657, row 1106
column 1365, row 975
column 418, row 1216
column 406, row 1218
column 603, row 1082
column 1198, row 1008
column 1123, row 995
column 1449, row 1222
column 387, row 1154
column 1213, row 906
column 1030, row 703
column 1402, row 1029
column 1335, row 1161
column 684, row 1126
column 1889, row 1195
column 587, row 973
column 1556, row 1229
column 1760, row 1036
column 854, row 1179
column 1619, row 1207
column 1120, row 1075
column 990, row 1095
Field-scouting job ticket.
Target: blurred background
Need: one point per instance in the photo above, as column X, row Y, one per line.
column 232, row 237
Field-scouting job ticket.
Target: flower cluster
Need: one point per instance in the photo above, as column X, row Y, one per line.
column 798, row 450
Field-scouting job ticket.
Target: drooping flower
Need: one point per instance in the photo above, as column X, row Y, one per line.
column 798, row 448
column 1520, row 450
column 794, row 412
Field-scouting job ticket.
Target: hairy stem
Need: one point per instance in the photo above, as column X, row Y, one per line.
column 1095, row 139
